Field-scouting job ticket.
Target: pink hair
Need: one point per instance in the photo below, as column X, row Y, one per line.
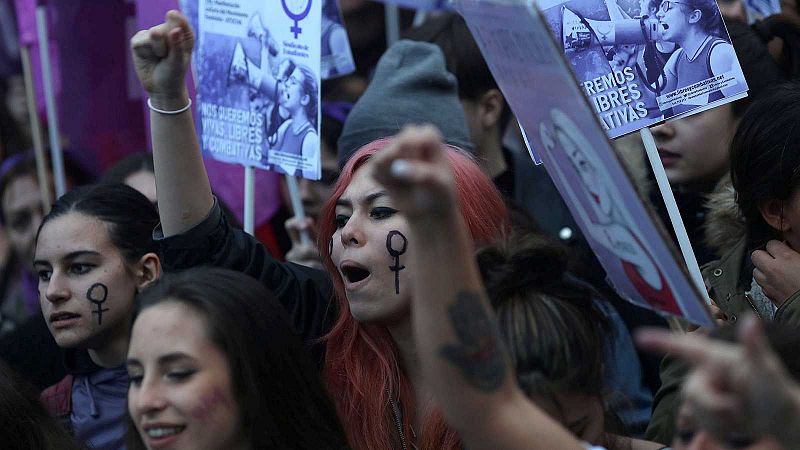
column 362, row 362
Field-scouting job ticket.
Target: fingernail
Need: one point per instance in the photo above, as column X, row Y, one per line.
column 399, row 168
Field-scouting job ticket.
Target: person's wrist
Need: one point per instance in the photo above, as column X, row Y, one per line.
column 169, row 101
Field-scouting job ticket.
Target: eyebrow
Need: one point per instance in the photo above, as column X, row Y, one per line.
column 163, row 359
column 368, row 199
column 172, row 357
column 69, row 256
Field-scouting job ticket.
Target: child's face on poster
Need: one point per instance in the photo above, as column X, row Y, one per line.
column 674, row 18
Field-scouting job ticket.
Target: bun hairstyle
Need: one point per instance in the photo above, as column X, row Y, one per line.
column 509, row 271
column 549, row 319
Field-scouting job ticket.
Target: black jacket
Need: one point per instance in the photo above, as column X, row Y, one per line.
column 306, row 293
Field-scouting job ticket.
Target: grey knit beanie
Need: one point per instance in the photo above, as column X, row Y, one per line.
column 411, row 86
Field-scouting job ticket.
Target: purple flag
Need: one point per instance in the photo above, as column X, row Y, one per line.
column 99, row 121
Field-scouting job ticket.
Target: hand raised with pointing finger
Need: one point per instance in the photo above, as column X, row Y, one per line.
column 743, row 387
column 161, row 56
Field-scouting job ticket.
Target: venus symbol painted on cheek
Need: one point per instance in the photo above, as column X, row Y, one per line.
column 98, row 294
column 396, row 244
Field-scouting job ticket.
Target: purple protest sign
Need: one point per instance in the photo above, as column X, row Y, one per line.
column 639, row 67
column 258, row 68
column 227, row 182
column 530, row 68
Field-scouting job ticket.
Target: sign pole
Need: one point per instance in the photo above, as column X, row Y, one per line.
column 297, row 206
column 36, row 131
column 672, row 210
column 249, row 199
column 50, row 101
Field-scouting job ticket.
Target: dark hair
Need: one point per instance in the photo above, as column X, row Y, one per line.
column 129, row 215
column 760, row 68
column 765, row 158
column 710, row 17
column 283, row 403
column 549, row 320
column 25, row 424
column 127, row 166
column 462, row 56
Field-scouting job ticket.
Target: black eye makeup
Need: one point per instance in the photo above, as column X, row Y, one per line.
column 180, row 375
column 382, row 212
column 340, row 221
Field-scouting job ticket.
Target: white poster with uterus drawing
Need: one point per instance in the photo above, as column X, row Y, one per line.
column 640, row 260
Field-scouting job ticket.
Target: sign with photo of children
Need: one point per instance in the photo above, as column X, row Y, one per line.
column 258, row 83
column 639, row 258
column 642, row 61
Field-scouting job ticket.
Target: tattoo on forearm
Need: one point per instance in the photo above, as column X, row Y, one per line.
column 478, row 354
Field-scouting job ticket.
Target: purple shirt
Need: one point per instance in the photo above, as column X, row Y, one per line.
column 100, row 408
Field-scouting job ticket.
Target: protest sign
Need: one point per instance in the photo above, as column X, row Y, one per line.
column 641, row 62
column 530, row 68
column 258, row 66
column 228, row 184
column 336, row 56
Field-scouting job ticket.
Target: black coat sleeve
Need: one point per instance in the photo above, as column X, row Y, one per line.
column 306, row 293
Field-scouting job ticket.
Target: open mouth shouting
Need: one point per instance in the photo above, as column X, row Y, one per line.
column 354, row 275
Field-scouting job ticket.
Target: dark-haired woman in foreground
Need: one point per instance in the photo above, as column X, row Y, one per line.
column 214, row 364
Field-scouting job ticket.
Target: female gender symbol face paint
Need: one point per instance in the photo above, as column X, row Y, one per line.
column 98, row 294
column 396, row 244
